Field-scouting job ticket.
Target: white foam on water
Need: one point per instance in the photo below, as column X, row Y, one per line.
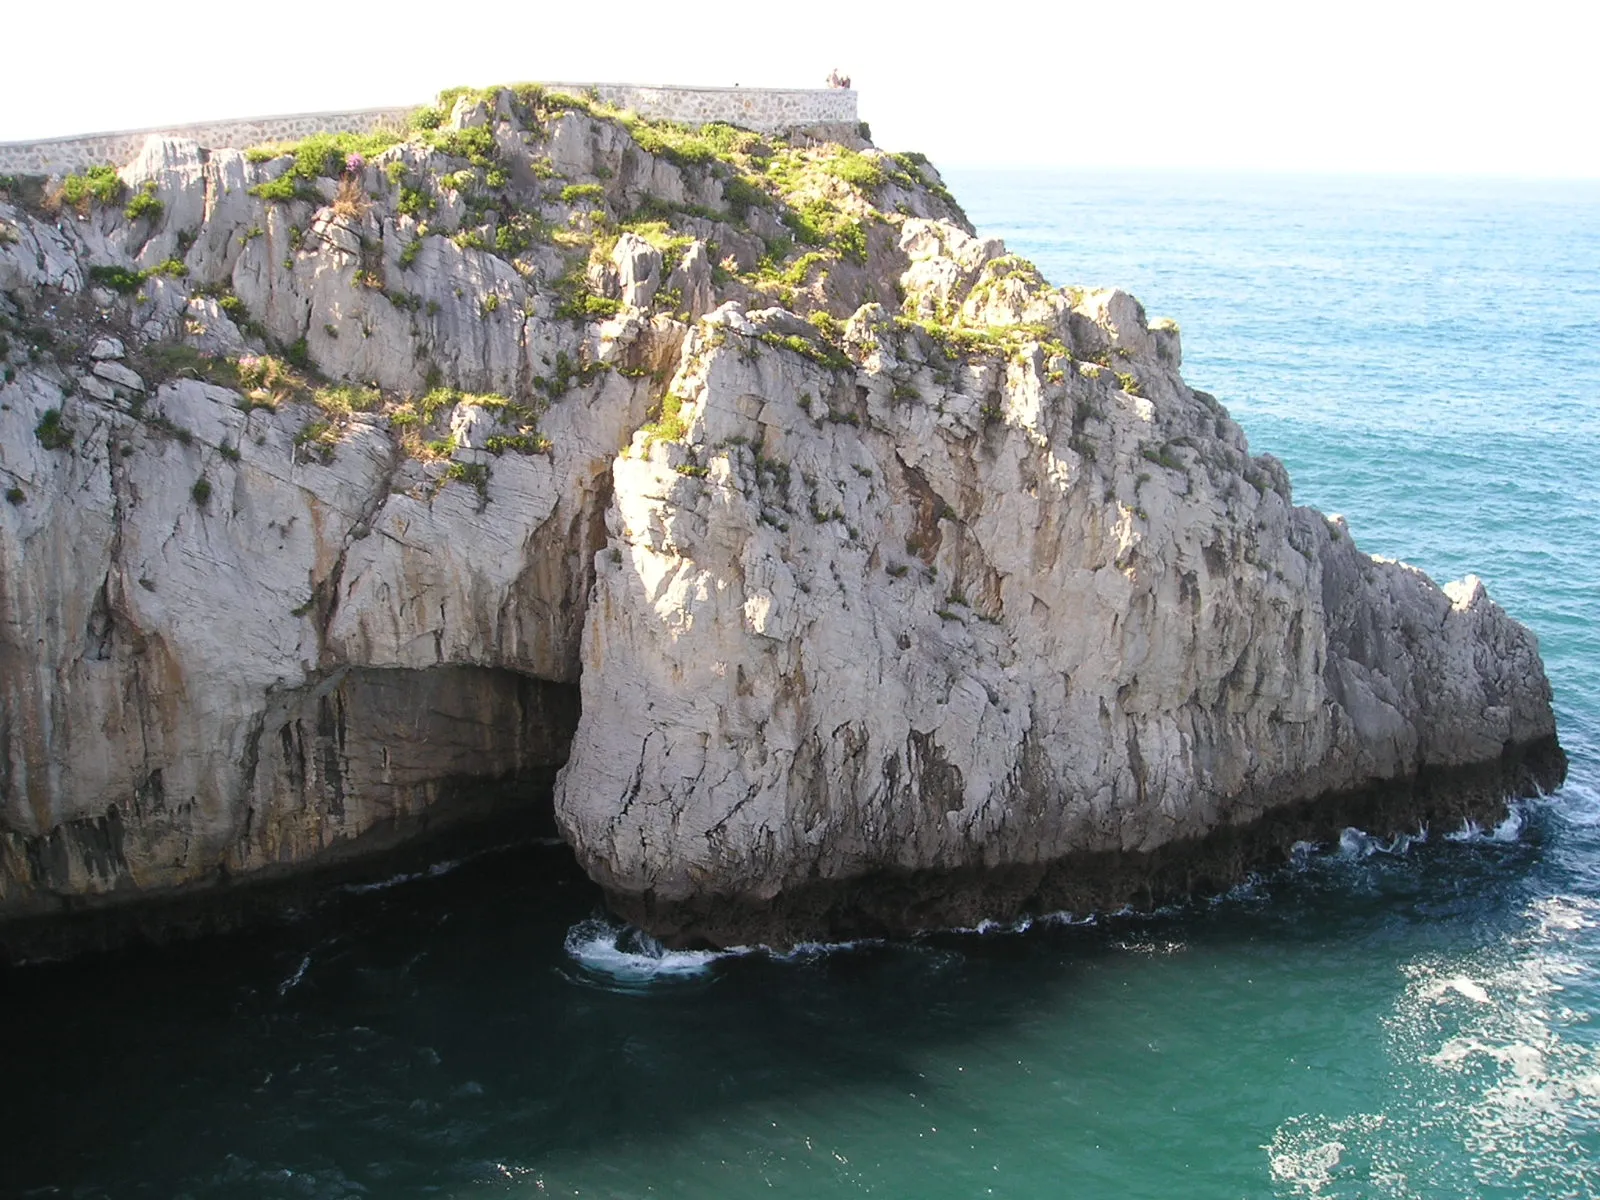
column 1067, row 918
column 1501, row 1078
column 438, row 868
column 629, row 956
column 1248, row 888
column 1306, row 1156
column 1580, row 804
column 442, row 868
column 1509, row 830
column 1463, row 986
column 1301, row 854
column 1152, row 947
column 294, row 980
column 987, row 927
column 1355, row 844
column 806, row 951
column 1519, row 1087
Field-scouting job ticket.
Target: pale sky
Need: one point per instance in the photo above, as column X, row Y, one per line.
column 1398, row 86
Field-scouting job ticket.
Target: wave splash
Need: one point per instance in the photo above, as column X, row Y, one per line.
column 1356, row 844
column 630, row 956
column 1509, row 830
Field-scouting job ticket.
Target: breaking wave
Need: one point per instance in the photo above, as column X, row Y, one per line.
column 610, row 950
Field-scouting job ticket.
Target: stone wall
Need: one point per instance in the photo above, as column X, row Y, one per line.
column 764, row 109
column 54, row 156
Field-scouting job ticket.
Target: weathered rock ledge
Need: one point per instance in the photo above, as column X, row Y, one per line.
column 899, row 588
column 894, row 902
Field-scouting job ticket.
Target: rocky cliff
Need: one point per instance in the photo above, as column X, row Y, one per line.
column 897, row 587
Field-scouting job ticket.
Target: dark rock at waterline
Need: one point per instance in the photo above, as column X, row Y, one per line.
column 891, row 904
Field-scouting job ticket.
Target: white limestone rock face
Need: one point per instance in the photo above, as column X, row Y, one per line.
column 924, row 618
column 692, row 280
column 224, row 653
column 170, row 171
column 244, row 679
column 851, row 598
column 638, row 266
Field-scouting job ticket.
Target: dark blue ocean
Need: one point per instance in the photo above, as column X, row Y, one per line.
column 1416, row 1020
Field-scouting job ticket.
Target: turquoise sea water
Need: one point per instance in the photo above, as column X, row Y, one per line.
column 1408, row 1021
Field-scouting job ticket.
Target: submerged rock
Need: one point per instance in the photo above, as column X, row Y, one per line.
column 900, row 588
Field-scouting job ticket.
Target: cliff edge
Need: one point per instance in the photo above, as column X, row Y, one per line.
column 860, row 580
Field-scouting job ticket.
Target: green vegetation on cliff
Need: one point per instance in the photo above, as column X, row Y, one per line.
column 503, row 206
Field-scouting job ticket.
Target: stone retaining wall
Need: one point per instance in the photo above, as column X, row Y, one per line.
column 765, row 109
column 56, row 156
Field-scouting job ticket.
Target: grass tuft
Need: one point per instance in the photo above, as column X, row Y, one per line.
column 145, row 204
column 668, row 424
column 96, row 185
column 52, row 434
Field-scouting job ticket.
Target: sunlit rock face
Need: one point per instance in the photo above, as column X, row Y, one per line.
column 899, row 587
column 957, row 621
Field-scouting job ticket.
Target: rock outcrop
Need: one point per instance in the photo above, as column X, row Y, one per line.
column 899, row 587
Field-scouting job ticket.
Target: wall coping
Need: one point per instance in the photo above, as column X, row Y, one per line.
column 179, row 130
column 763, row 109
column 579, row 88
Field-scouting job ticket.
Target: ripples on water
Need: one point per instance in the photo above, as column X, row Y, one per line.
column 1413, row 1019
